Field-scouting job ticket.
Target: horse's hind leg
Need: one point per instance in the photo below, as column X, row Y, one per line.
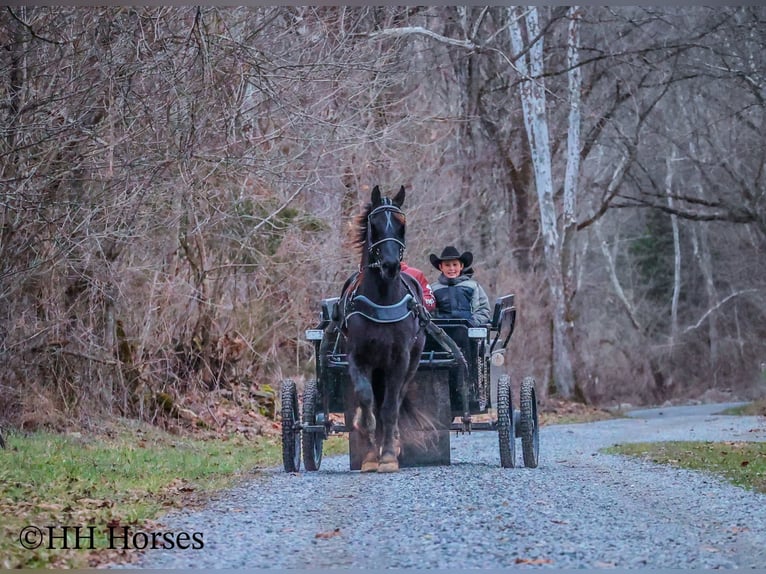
column 364, row 419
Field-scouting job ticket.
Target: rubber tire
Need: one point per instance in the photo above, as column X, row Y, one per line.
column 505, row 430
column 530, row 429
column 482, row 376
column 291, row 438
column 311, row 441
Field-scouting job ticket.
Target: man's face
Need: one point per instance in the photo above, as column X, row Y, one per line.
column 451, row 268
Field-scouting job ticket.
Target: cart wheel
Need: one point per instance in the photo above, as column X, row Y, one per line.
column 291, row 437
column 312, row 441
column 505, row 428
column 530, row 433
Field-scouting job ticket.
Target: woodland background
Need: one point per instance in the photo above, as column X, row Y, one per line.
column 178, row 183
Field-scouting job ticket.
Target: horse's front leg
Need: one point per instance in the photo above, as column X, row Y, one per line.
column 364, row 418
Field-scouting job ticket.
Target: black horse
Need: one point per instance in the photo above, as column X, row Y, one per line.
column 384, row 332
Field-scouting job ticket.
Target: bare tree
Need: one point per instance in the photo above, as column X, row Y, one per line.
column 177, row 184
column 533, row 100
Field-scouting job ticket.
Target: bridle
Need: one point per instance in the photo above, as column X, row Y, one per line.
column 374, row 248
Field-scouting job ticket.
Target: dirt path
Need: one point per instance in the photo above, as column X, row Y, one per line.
column 579, row 508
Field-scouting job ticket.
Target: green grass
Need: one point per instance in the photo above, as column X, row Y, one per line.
column 756, row 408
column 127, row 479
column 742, row 463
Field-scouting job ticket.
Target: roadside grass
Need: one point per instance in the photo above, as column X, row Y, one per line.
column 742, row 463
column 130, row 474
column 129, row 478
column 756, row 408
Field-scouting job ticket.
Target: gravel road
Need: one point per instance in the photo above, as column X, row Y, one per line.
column 579, row 508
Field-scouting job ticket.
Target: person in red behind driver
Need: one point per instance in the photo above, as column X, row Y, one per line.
column 428, row 295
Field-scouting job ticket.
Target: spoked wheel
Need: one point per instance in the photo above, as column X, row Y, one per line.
column 312, row 441
column 291, row 436
column 505, row 430
column 530, row 431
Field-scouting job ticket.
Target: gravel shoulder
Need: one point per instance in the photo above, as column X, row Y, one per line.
column 579, row 508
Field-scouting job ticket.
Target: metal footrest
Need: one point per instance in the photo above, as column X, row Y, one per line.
column 482, row 426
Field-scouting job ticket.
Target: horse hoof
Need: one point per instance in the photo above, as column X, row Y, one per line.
column 389, row 466
column 388, row 463
column 371, row 466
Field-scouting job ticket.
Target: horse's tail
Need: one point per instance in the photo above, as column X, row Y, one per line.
column 417, row 428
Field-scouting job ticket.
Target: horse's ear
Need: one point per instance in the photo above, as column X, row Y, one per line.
column 399, row 198
column 375, row 197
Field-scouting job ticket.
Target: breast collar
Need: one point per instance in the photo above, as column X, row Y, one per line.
column 361, row 305
column 353, row 304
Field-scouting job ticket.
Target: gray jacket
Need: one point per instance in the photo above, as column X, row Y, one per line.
column 461, row 298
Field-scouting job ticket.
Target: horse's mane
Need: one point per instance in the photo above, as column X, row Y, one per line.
column 359, row 228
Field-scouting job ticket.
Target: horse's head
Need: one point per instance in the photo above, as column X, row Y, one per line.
column 386, row 225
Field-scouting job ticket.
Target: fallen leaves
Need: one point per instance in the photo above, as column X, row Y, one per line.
column 328, row 534
column 93, row 503
column 560, row 411
column 179, row 485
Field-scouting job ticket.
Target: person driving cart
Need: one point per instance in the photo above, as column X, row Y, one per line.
column 458, row 295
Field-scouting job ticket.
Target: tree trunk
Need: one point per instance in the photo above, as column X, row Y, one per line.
column 701, row 249
column 676, row 266
column 533, row 103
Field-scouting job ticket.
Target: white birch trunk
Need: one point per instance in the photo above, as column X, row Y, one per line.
column 571, row 177
column 533, row 102
column 574, row 78
column 612, row 268
column 676, row 260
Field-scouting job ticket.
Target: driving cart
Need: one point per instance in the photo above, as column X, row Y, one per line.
column 460, row 382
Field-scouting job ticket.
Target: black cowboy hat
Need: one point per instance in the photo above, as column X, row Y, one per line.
column 449, row 253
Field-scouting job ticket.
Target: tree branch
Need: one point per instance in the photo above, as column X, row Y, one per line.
column 732, row 217
column 31, row 31
column 419, row 30
column 616, row 282
column 715, row 307
column 611, row 190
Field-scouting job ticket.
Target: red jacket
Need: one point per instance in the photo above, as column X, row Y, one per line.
column 429, row 302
